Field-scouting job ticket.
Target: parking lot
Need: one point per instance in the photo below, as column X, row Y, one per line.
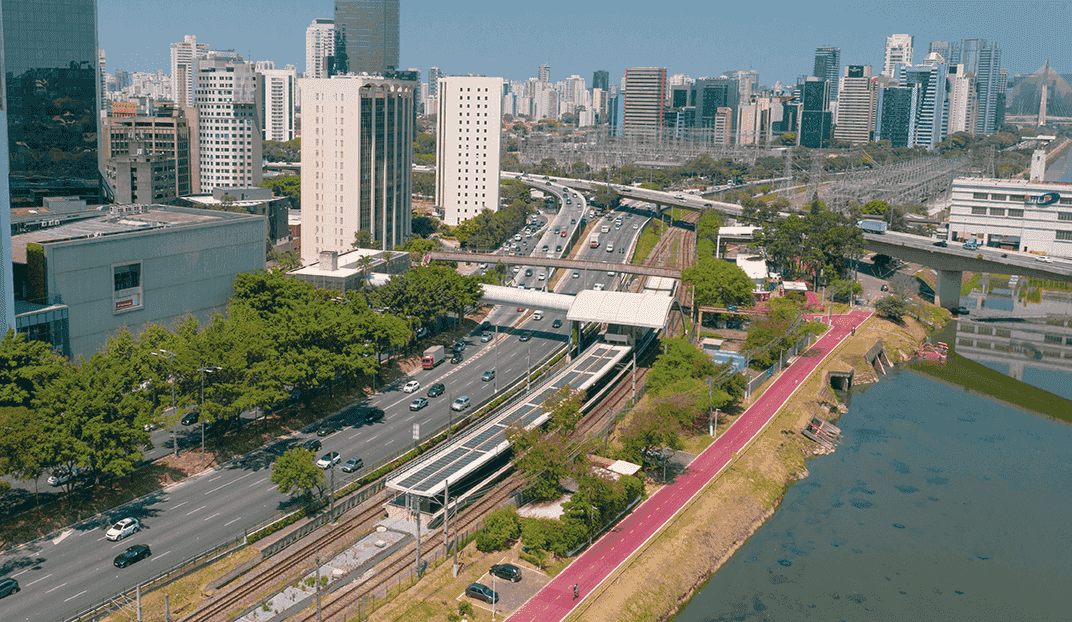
column 511, row 595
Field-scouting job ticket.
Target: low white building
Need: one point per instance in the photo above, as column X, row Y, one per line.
column 1015, row 214
column 467, row 146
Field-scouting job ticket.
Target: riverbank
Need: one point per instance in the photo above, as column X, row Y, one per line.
column 658, row 581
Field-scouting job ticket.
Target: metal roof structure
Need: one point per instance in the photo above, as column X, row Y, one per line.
column 553, row 262
column 647, row 309
column 528, row 298
column 472, row 450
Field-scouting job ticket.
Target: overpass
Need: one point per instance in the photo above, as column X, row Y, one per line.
column 526, row 260
column 952, row 261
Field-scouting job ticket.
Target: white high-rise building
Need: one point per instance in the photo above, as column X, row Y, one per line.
column 356, row 158
column 279, row 98
column 319, row 44
column 963, row 100
column 183, row 56
column 229, row 122
column 856, row 105
column 898, row 52
column 467, row 146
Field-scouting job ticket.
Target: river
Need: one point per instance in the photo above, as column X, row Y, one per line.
column 938, row 505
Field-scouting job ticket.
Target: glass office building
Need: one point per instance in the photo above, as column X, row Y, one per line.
column 366, row 36
column 50, row 58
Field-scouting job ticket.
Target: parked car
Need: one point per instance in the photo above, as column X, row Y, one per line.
column 557, row 323
column 132, row 555
column 312, row 445
column 436, row 389
column 8, row 587
column 528, row 271
column 352, row 465
column 482, row 592
column 488, row 375
column 190, row 418
column 418, row 403
column 411, row 386
column 962, row 311
column 126, row 527
column 509, row 572
column 328, row 460
column 460, row 404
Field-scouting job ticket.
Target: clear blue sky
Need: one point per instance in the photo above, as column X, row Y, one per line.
column 777, row 38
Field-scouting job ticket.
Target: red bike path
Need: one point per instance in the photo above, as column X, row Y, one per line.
column 556, row 600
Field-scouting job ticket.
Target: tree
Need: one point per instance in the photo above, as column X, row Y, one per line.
column 543, row 459
column 718, row 282
column 649, row 429
column 294, row 471
column 679, row 359
column 424, row 184
column 417, row 247
column 25, row 448
column 564, row 408
column 275, row 151
column 363, row 239
column 892, row 307
column 26, row 367
column 285, row 186
column 501, row 529
column 424, row 226
column 606, row 198
column 840, row 290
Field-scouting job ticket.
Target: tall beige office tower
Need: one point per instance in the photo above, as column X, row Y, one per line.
column 856, row 105
column 183, row 56
column 467, row 146
column 645, row 90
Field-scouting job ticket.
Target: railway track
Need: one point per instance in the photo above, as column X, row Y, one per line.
column 346, row 602
column 249, row 591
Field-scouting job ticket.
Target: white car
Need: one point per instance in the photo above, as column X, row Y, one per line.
column 541, row 276
column 126, row 527
column 1044, row 258
column 328, row 460
column 576, row 274
column 411, row 386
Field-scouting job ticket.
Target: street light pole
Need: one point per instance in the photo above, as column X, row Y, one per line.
column 528, row 376
column 209, row 369
column 170, row 356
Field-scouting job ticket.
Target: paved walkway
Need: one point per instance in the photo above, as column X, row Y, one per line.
column 555, row 601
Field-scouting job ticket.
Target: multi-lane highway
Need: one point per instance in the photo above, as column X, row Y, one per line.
column 73, row 571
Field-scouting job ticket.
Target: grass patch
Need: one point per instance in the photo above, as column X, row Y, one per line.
column 967, row 286
column 648, row 239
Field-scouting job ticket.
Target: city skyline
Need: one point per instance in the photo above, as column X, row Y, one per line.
column 510, row 43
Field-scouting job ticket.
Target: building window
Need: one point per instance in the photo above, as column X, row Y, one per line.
column 1064, row 236
column 1017, row 197
column 1064, row 215
column 1016, row 213
column 979, row 195
column 978, row 211
column 997, row 197
column 1065, row 201
column 997, row 211
column 126, row 287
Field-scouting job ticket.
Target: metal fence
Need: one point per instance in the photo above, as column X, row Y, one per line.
column 783, row 358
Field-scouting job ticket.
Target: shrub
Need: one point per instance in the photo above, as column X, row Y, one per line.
column 465, row 609
column 501, row 529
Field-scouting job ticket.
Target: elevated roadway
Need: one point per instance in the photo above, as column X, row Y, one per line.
column 950, row 262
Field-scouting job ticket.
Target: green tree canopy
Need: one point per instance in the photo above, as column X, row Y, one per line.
column 678, row 359
column 294, row 472
column 719, row 282
column 892, row 307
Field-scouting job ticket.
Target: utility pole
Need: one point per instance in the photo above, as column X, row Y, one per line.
column 317, row 562
column 203, row 369
column 446, row 517
column 170, row 356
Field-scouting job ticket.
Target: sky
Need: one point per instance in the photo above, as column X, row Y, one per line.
column 510, row 40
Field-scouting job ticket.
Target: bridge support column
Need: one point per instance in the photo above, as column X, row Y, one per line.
column 1016, row 370
column 948, row 292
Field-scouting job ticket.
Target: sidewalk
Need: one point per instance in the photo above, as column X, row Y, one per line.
column 555, row 601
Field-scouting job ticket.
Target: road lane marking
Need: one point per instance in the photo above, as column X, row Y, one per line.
column 213, row 516
column 57, row 587
column 258, row 481
column 162, row 554
column 41, row 579
column 197, row 510
column 75, row 596
column 229, row 483
column 23, row 572
column 390, row 441
column 233, row 521
column 216, row 478
column 180, row 505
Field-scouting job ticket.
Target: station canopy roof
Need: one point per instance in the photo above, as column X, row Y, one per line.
column 647, row 310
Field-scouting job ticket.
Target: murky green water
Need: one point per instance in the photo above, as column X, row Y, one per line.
column 939, row 505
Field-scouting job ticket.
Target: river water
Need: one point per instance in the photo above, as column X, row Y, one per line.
column 938, row 505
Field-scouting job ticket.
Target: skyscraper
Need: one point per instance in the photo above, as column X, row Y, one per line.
column 645, row 90
column 856, row 106
column 709, row 96
column 814, row 113
column 928, row 81
column 7, row 288
column 183, row 56
column 360, row 181
column 545, row 73
column 434, row 74
column 366, row 38
column 828, row 66
column 277, row 97
column 319, row 48
column 898, row 52
column 988, row 83
column 467, row 146
column 601, row 80
column 228, row 99
column 53, row 112
column 963, row 100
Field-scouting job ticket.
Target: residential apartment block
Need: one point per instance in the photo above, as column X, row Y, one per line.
column 229, row 122
column 467, row 146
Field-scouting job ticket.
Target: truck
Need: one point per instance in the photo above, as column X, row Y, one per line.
column 433, row 356
column 594, row 241
column 872, row 226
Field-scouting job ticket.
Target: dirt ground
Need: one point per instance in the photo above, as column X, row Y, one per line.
column 659, row 580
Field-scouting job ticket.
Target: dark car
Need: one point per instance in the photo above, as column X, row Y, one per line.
column 436, row 389
column 557, row 323
column 352, row 465
column 8, row 587
column 485, row 326
column 884, row 287
column 482, row 592
column 132, row 555
column 311, row 444
column 528, row 271
column 327, row 427
column 941, row 243
column 558, row 248
column 374, row 415
column 190, row 418
column 458, row 347
column 525, row 336
column 508, row 572
column 962, row 311
column 572, row 221
column 457, row 358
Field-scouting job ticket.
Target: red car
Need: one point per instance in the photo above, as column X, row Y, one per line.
column 563, row 233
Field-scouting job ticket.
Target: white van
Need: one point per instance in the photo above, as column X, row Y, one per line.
column 605, row 229
column 537, row 315
column 610, row 248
